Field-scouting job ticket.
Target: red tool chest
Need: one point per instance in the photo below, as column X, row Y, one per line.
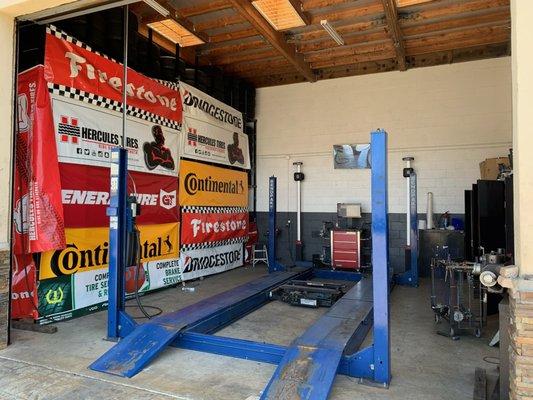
column 345, row 249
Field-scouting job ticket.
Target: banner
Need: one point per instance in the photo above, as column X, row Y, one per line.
column 210, row 260
column 85, row 134
column 88, row 249
column 37, row 213
column 208, row 224
column 85, row 196
column 71, row 63
column 23, row 288
column 201, row 106
column 205, row 185
column 207, row 142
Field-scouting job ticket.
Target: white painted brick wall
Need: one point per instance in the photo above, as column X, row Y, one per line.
column 450, row 118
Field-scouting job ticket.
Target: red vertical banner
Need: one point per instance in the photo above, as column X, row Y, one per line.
column 38, row 212
column 24, row 288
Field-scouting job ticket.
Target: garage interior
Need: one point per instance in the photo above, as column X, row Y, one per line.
column 305, row 199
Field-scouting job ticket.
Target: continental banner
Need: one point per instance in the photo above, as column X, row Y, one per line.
column 86, row 133
column 197, row 262
column 85, row 196
column 211, row 224
column 88, row 249
column 205, row 185
column 207, row 142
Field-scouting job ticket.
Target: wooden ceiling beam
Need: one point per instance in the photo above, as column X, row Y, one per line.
column 275, row 38
column 314, row 4
column 244, row 56
column 259, row 65
column 233, row 48
column 349, row 40
column 503, row 16
column 391, row 14
column 204, row 8
column 298, row 7
column 347, row 51
column 320, row 33
column 451, row 10
column 458, row 39
column 234, row 35
column 220, row 22
column 408, row 3
column 354, row 59
column 446, row 57
column 369, row 10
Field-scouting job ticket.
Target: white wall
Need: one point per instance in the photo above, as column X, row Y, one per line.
column 448, row 117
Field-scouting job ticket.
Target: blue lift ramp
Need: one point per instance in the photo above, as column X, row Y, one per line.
column 148, row 340
column 309, row 366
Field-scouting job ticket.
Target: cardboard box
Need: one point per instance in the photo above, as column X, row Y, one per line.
column 490, row 168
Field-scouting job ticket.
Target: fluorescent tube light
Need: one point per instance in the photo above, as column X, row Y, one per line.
column 332, row 32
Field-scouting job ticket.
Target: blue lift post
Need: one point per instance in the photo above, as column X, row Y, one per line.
column 332, row 342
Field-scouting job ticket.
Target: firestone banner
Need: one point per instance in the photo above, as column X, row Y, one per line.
column 207, row 142
column 88, row 249
column 85, row 196
column 211, row 260
column 38, row 213
column 73, row 64
column 201, row 106
column 205, row 185
column 85, row 134
column 204, row 225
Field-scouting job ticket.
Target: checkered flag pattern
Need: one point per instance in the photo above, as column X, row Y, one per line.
column 100, row 101
column 198, row 246
column 212, row 210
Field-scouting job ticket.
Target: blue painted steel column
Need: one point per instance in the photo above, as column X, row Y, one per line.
column 117, row 240
column 273, row 264
column 380, row 257
column 414, row 231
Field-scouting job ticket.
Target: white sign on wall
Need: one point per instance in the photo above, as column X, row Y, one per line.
column 210, row 260
column 207, row 142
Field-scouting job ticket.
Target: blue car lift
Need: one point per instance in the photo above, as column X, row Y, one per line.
column 308, row 366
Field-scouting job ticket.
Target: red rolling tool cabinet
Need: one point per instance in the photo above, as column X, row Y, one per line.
column 345, row 249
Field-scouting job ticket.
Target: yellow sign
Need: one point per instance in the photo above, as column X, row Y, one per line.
column 205, row 185
column 88, row 249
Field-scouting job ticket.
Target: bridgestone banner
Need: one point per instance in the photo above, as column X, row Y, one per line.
column 85, row 135
column 201, row 106
column 211, row 260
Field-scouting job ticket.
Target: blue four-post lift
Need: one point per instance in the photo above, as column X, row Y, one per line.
column 328, row 347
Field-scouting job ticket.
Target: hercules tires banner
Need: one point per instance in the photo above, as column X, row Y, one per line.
column 205, row 185
column 207, row 142
column 85, row 134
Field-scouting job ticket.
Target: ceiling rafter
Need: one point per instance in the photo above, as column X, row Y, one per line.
column 391, row 14
column 275, row 38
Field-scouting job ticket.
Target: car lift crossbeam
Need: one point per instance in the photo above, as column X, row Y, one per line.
column 329, row 346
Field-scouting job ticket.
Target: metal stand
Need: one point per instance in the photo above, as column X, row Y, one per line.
column 307, row 368
column 298, row 177
column 410, row 276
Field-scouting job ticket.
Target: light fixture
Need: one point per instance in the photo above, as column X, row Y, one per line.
column 279, row 13
column 332, row 32
column 175, row 32
column 157, row 7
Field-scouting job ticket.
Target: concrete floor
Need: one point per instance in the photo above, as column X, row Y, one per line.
column 425, row 365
